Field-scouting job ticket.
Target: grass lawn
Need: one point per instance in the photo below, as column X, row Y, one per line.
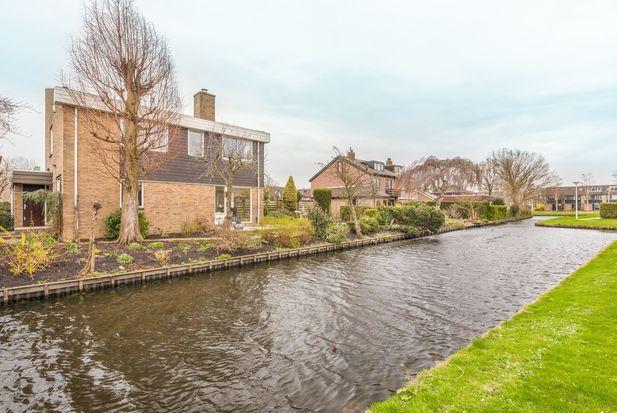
column 565, row 213
column 569, row 221
column 557, row 355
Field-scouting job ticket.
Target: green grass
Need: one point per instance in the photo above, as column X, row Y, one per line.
column 583, row 222
column 557, row 355
column 565, row 213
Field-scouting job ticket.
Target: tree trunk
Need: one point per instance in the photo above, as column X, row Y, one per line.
column 438, row 201
column 229, row 215
column 354, row 216
column 91, row 261
column 129, row 225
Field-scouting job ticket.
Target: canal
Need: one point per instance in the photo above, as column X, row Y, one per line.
column 331, row 332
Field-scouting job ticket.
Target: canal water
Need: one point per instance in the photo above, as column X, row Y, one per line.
column 331, row 332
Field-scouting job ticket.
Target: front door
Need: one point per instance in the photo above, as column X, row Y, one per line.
column 34, row 214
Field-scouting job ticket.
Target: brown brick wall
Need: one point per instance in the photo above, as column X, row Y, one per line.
column 18, row 206
column 169, row 205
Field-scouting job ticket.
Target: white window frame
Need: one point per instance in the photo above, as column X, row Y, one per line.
column 51, row 142
column 58, row 183
column 188, row 142
column 250, row 146
column 141, row 190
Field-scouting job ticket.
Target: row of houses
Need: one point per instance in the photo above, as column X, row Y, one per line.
column 589, row 197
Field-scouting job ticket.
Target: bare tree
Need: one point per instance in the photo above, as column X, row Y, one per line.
column 226, row 157
column 439, row 175
column 554, row 184
column 91, row 260
column 7, row 165
column 587, row 180
column 8, row 110
column 487, row 177
column 521, row 173
column 122, row 60
column 353, row 177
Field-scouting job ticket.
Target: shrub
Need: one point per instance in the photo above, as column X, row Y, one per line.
column 158, row 245
column 337, row 233
column 514, row 210
column 420, row 215
column 6, row 220
column 320, row 220
column 323, row 198
column 204, row 246
column 345, row 212
column 72, row 247
column 540, row 207
column 385, row 215
column 498, row 201
column 200, row 225
column 608, row 210
column 282, row 213
column 223, row 257
column 184, row 247
column 124, row 259
column 232, row 239
column 290, row 196
column 286, row 232
column 368, row 224
column 112, row 224
column 162, row 257
column 28, row 254
column 497, row 212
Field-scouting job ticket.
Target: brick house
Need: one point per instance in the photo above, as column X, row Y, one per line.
column 380, row 183
column 563, row 198
column 176, row 192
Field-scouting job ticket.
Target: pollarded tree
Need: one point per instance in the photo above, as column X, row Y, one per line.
column 290, row 195
column 123, row 82
column 522, row 174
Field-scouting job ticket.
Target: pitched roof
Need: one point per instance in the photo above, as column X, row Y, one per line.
column 360, row 164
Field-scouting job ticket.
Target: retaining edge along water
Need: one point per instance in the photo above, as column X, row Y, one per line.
column 82, row 285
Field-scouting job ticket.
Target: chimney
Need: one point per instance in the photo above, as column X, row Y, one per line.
column 203, row 107
column 389, row 162
column 351, row 154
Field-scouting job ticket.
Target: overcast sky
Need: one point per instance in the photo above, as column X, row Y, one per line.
column 400, row 79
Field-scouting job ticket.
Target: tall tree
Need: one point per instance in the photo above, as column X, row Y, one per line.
column 352, row 178
column 125, row 63
column 8, row 111
column 522, row 174
column 488, row 180
column 587, row 180
column 440, row 175
column 290, row 195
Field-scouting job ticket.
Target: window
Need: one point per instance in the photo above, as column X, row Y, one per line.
column 388, row 183
column 157, row 141
column 51, row 142
column 219, row 200
column 58, row 183
column 233, row 147
column 196, row 143
column 378, row 166
column 596, row 189
column 140, row 195
column 376, row 181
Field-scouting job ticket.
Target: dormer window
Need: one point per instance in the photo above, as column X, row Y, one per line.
column 378, row 166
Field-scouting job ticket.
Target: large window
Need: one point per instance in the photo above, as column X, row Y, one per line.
column 196, row 143
column 219, row 200
column 140, row 195
column 236, row 148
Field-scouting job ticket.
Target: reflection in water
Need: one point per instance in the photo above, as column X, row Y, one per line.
column 323, row 333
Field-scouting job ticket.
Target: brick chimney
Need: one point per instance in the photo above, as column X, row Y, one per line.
column 351, row 154
column 203, row 105
column 389, row 162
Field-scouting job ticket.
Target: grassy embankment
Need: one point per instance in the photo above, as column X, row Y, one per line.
column 556, row 355
column 582, row 222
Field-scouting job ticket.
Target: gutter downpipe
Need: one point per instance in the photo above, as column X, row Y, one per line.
column 258, row 196
column 75, row 177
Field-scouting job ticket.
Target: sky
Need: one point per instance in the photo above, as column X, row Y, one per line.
column 399, row 79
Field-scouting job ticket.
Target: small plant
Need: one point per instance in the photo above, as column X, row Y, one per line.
column 184, row 247
column 198, row 226
column 135, row 246
column 232, row 240
column 368, row 224
column 337, row 233
column 320, row 220
column 162, row 257
column 204, row 246
column 72, row 247
column 158, row 245
column 124, row 259
column 223, row 257
column 28, row 254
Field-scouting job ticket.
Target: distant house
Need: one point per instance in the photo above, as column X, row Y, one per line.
column 178, row 191
column 563, row 198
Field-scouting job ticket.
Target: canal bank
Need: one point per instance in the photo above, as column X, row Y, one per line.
column 557, row 354
column 113, row 280
column 335, row 331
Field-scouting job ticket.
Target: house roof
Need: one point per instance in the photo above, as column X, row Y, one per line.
column 357, row 163
column 31, row 177
column 363, row 192
column 62, row 95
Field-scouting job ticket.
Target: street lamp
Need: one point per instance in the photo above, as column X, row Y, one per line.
column 576, row 184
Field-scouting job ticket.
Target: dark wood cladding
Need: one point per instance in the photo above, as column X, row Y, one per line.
column 178, row 166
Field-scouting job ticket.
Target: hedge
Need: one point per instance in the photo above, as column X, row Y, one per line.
column 608, row 210
column 323, row 198
column 6, row 221
column 112, row 224
column 345, row 212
